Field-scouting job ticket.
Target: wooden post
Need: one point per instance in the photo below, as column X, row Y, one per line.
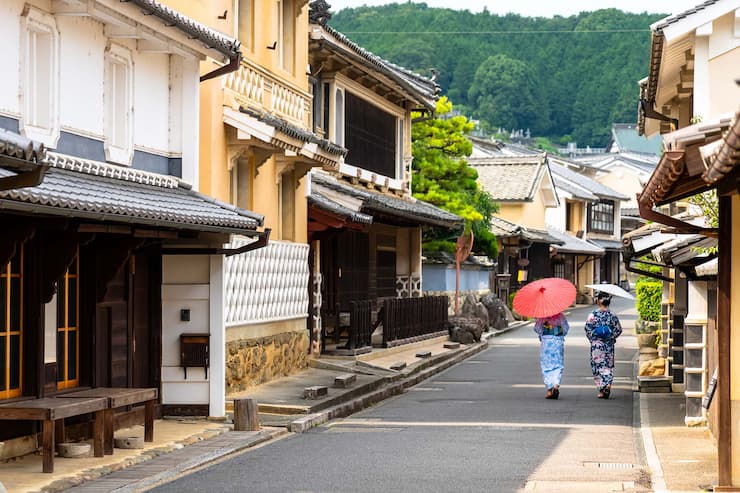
column 149, row 421
column 245, row 415
column 724, row 342
column 99, row 433
column 48, row 446
column 108, row 425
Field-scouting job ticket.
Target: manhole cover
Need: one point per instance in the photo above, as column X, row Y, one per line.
column 610, row 465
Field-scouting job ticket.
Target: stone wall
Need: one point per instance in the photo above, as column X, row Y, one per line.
column 250, row 362
column 451, row 296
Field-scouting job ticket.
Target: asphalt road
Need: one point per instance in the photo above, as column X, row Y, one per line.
column 482, row 425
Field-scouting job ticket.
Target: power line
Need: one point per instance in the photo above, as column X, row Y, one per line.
column 587, row 31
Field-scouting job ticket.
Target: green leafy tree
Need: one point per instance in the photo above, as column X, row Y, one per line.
column 582, row 68
column 443, row 177
column 505, row 93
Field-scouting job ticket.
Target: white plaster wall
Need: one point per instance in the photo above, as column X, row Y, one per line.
column 10, row 35
column 555, row 216
column 151, row 101
column 184, row 128
column 82, row 49
column 165, row 121
column 185, row 285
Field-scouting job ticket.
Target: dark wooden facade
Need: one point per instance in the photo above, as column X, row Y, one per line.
column 117, row 341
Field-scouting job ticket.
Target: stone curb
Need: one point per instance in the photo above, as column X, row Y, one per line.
column 200, row 460
column 309, row 421
column 89, row 475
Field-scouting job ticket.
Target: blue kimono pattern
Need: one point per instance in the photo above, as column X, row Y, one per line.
column 552, row 332
column 602, row 350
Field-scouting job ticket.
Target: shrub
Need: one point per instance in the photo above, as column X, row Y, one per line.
column 648, row 300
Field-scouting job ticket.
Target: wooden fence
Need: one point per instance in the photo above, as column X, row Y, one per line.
column 407, row 320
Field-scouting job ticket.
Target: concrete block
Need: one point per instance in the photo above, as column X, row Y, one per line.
column 71, row 450
column 345, row 380
column 398, row 366
column 451, row 345
column 655, row 390
column 129, row 442
column 424, row 354
column 315, row 392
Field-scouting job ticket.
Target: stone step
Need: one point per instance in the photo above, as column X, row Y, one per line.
column 659, row 384
column 315, row 392
column 451, row 345
column 345, row 380
column 398, row 366
column 424, row 354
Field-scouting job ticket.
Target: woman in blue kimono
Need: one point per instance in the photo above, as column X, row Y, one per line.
column 602, row 329
column 552, row 331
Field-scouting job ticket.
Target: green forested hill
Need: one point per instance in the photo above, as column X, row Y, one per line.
column 561, row 77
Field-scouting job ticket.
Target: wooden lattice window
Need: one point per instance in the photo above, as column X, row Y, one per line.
column 11, row 327
column 68, row 334
column 602, row 217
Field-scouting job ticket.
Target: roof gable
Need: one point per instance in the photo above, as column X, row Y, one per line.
column 511, row 178
column 584, row 183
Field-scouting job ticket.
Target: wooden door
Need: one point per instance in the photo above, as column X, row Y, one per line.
column 112, row 323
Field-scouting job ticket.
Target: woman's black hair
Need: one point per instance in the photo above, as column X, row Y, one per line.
column 604, row 298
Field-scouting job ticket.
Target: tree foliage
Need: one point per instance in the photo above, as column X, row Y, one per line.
column 442, row 176
column 561, row 76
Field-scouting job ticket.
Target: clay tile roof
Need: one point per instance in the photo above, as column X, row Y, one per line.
column 75, row 187
column 510, row 178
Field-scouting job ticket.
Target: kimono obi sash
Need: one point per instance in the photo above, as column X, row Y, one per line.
column 552, row 330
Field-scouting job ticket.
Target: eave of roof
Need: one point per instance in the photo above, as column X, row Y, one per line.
column 381, row 204
column 81, row 188
column 574, row 245
column 20, row 147
column 588, row 185
column 318, row 200
column 294, row 131
column 226, row 45
column 421, row 89
column 672, row 179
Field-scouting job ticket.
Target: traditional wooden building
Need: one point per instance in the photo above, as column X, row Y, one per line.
column 257, row 146
column 693, row 60
column 591, row 212
column 523, row 186
column 111, row 258
column 364, row 226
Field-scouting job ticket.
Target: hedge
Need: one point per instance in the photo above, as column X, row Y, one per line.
column 649, row 294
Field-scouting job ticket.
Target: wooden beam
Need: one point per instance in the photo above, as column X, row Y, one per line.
column 724, row 341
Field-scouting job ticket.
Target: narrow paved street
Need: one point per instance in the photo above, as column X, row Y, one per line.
column 483, row 425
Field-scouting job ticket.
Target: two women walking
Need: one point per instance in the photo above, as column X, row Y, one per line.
column 602, row 329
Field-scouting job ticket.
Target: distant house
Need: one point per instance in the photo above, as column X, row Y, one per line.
column 524, row 188
column 626, row 138
column 591, row 212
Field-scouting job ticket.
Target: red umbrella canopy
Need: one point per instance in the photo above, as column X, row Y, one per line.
column 544, row 297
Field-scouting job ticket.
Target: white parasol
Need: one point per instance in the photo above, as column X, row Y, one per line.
column 612, row 289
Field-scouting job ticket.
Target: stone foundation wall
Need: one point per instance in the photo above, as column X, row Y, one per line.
column 250, row 362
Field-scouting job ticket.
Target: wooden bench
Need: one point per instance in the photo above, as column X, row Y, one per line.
column 50, row 410
column 119, row 397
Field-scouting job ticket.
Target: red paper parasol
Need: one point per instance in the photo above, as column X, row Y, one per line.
column 544, row 297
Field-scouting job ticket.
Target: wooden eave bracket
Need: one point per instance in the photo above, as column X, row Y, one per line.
column 680, row 227
column 22, row 180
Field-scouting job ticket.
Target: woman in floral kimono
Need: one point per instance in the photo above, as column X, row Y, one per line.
column 602, row 329
column 552, row 331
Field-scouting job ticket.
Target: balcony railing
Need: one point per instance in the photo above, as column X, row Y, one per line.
column 256, row 87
